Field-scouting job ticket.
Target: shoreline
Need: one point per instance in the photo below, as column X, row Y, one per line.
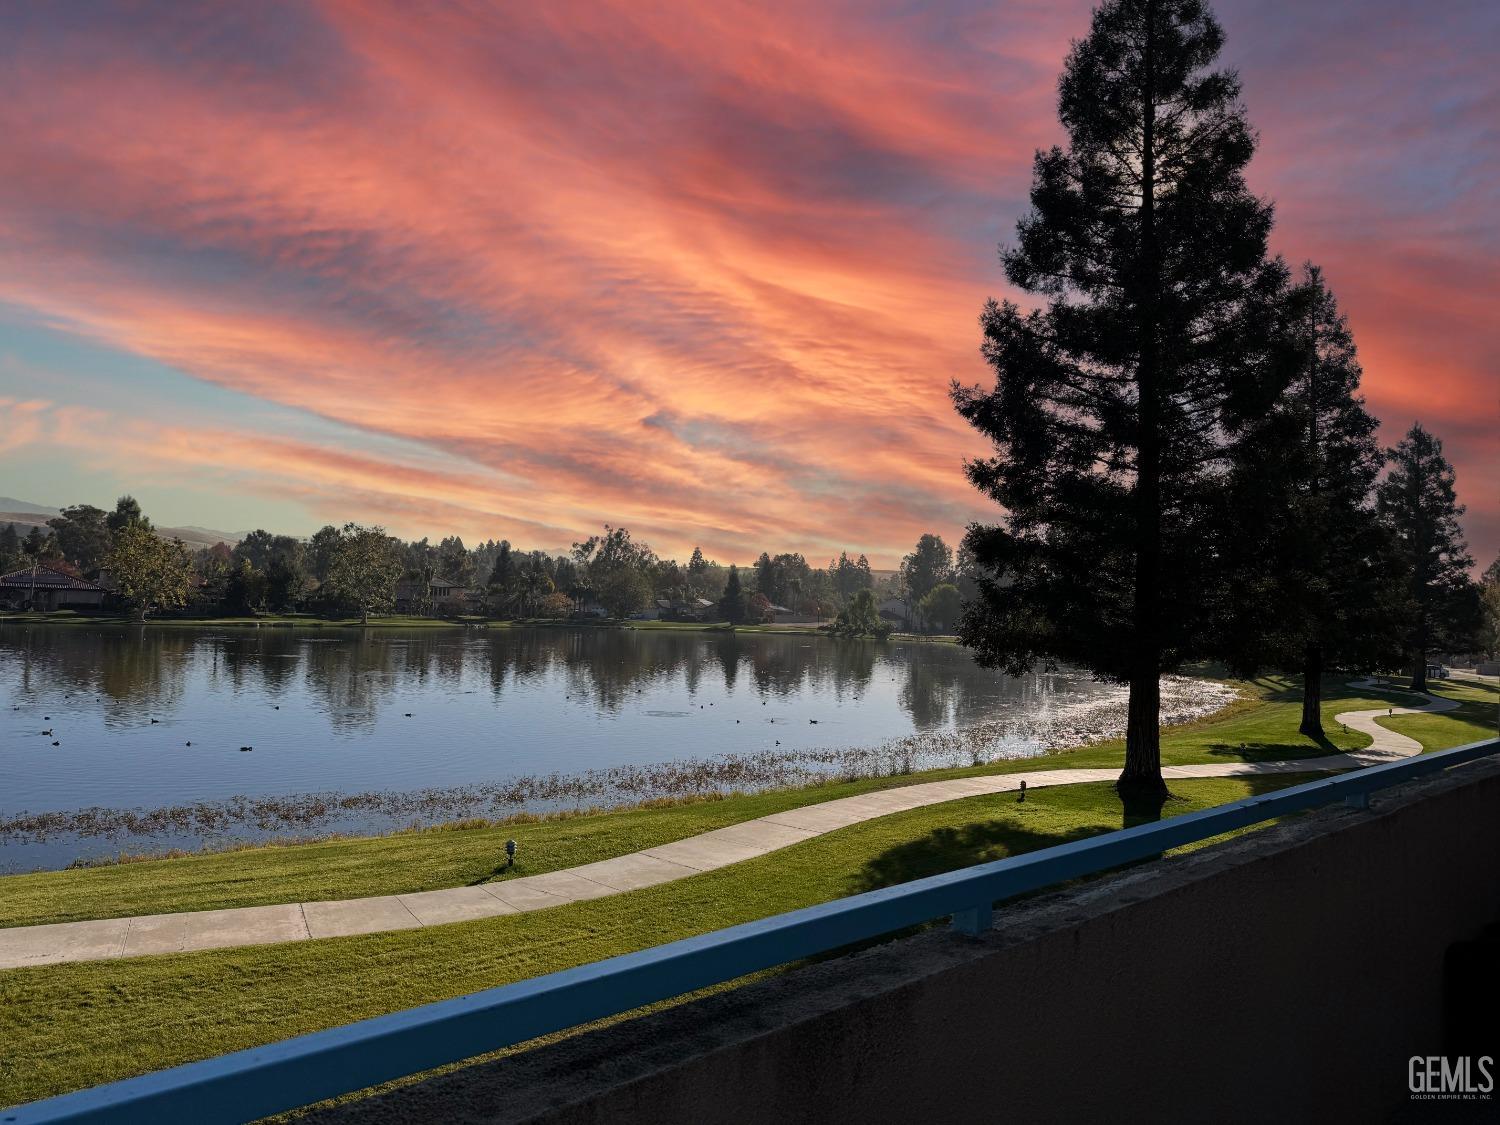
column 293, row 819
column 403, row 622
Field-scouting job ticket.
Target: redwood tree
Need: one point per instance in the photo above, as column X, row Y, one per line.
column 1418, row 501
column 1312, row 572
column 1117, row 403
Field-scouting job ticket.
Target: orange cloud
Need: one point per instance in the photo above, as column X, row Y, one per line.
column 705, row 270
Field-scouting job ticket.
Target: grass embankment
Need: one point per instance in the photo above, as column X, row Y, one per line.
column 1475, row 719
column 152, row 1012
column 1262, row 725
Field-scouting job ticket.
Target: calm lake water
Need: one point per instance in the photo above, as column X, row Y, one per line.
column 368, row 730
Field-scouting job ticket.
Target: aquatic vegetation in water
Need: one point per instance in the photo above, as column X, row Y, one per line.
column 626, row 785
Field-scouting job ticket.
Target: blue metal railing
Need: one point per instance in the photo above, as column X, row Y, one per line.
column 260, row 1081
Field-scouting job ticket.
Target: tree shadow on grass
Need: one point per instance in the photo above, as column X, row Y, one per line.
column 1143, row 807
column 948, row 849
column 952, row 848
column 1280, row 689
column 1274, row 751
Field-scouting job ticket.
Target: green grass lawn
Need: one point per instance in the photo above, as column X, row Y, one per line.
column 1260, row 726
column 1475, row 719
column 151, row 1012
column 142, row 1014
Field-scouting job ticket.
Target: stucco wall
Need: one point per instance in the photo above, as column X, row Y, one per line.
column 1288, row 974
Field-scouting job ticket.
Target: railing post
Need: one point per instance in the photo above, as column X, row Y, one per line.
column 974, row 921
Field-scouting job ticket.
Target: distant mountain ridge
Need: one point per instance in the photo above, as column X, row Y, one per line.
column 24, row 515
column 9, row 504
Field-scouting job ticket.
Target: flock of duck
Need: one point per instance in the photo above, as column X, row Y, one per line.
column 49, row 733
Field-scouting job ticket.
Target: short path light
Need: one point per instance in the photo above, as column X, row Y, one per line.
column 1023, row 789
column 510, row 853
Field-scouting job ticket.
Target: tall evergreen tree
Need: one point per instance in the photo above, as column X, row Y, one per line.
column 1489, row 596
column 1418, row 502
column 455, row 561
column 767, row 581
column 83, row 537
column 1313, row 584
column 127, row 513
column 11, row 556
column 503, row 573
column 1116, row 405
column 732, row 604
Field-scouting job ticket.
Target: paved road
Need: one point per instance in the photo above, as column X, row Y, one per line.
column 302, row 921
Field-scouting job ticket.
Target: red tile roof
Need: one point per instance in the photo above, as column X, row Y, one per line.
column 46, row 579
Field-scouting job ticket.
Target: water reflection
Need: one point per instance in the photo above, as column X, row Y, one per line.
column 155, row 716
column 353, row 672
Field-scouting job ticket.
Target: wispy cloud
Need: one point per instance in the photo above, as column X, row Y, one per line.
column 702, row 269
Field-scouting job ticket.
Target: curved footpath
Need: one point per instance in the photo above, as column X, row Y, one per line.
column 264, row 925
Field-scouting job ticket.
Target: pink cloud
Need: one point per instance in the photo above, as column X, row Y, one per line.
column 705, row 270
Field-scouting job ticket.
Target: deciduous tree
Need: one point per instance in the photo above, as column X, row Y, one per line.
column 364, row 568
column 861, row 618
column 929, row 565
column 616, row 569
column 149, row 572
column 942, row 607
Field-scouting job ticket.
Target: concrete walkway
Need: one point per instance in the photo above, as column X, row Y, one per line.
column 264, row 925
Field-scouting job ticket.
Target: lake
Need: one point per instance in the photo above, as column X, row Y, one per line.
column 369, row 730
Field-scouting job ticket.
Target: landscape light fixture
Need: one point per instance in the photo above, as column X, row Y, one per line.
column 510, row 853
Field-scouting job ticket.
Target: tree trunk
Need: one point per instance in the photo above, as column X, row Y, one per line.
column 1142, row 773
column 1419, row 665
column 1312, row 692
column 1419, row 673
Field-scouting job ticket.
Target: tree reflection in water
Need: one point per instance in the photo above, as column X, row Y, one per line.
column 368, row 729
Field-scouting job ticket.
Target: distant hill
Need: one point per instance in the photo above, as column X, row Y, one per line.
column 10, row 504
column 187, row 529
column 24, row 516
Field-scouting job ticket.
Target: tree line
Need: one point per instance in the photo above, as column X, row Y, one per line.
column 1186, row 467
column 362, row 570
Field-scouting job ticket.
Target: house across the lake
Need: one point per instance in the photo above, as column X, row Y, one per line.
column 44, row 589
column 439, row 596
column 678, row 609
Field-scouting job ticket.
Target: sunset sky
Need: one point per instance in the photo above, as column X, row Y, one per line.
column 701, row 269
